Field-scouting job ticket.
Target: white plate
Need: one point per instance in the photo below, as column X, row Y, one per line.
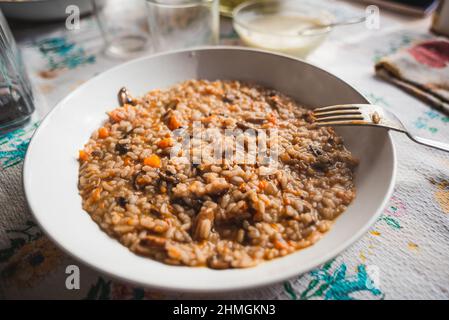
column 42, row 10
column 51, row 167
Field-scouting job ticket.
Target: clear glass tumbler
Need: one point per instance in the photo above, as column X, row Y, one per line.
column 123, row 25
column 227, row 6
column 16, row 98
column 178, row 24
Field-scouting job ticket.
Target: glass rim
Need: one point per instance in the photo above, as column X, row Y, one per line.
column 178, row 3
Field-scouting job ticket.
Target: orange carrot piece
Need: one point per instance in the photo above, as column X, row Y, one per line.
column 280, row 244
column 153, row 161
column 165, row 143
column 96, row 194
column 272, row 118
column 173, row 123
column 232, row 107
column 127, row 161
column 208, row 119
column 103, row 133
column 115, row 116
column 83, row 155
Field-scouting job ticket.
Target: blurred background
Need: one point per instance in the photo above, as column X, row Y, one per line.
column 71, row 33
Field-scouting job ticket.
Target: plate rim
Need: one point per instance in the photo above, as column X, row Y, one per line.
column 257, row 283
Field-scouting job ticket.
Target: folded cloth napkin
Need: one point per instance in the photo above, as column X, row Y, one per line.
column 422, row 70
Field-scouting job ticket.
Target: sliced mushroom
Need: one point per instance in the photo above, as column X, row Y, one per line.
column 172, row 104
column 274, row 102
column 271, row 93
column 137, row 181
column 168, row 177
column 97, row 153
column 244, row 126
column 228, row 98
column 256, row 120
column 124, row 97
column 323, row 163
column 121, row 201
column 316, row 150
column 121, row 148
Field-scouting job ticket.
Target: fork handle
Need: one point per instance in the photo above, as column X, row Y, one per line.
column 430, row 143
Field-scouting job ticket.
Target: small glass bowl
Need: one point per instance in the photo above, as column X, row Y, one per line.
column 276, row 25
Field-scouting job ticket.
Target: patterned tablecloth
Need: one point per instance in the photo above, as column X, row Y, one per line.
column 404, row 255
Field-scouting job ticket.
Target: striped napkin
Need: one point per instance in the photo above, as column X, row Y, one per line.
column 422, row 70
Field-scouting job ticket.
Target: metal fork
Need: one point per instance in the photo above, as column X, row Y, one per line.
column 368, row 115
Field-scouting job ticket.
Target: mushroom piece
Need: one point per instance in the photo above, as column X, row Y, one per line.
column 124, row 97
column 244, row 126
column 256, row 120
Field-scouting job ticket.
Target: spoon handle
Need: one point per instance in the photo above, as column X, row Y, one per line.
column 346, row 22
column 353, row 20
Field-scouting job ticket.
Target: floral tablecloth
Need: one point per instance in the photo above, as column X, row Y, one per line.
column 405, row 254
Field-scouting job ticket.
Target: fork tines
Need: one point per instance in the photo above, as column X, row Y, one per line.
column 342, row 114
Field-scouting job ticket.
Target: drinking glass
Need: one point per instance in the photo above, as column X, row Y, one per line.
column 227, row 6
column 16, row 98
column 123, row 25
column 178, row 24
